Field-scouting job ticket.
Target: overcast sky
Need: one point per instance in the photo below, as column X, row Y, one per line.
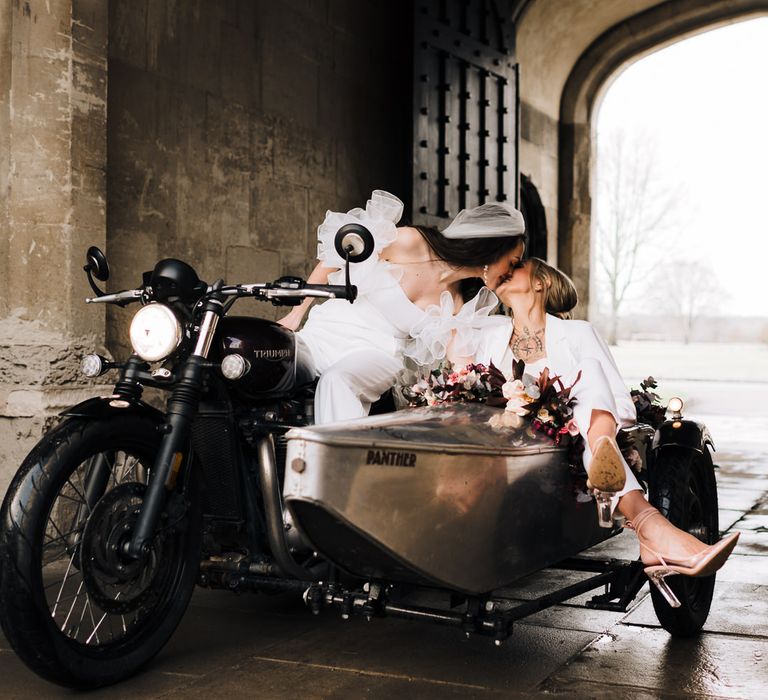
column 705, row 100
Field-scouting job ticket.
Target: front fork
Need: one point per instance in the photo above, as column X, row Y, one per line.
column 182, row 409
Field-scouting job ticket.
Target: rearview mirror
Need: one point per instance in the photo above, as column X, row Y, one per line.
column 96, row 263
column 354, row 242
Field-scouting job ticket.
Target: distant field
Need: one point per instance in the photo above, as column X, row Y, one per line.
column 696, row 361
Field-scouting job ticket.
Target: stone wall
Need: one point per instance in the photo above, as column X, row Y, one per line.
column 234, row 125
column 52, row 205
column 217, row 131
column 538, row 160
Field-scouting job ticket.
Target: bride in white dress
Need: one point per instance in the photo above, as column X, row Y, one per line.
column 409, row 303
column 540, row 333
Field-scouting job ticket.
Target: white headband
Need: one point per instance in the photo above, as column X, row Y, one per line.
column 490, row 220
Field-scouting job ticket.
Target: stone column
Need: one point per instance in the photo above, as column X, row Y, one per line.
column 53, row 102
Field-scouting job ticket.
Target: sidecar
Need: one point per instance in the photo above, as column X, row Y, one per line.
column 437, row 497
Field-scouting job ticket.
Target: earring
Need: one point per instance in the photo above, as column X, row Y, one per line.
column 485, row 274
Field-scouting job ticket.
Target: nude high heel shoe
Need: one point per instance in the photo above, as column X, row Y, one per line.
column 705, row 563
column 607, row 476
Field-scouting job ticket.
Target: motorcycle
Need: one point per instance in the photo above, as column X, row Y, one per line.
column 425, row 514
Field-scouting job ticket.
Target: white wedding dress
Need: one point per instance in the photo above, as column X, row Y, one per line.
column 358, row 350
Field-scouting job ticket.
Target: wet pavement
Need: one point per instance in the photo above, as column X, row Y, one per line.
column 272, row 647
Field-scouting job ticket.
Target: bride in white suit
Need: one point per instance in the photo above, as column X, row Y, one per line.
column 540, row 333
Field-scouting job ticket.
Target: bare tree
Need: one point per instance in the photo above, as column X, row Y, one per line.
column 634, row 207
column 687, row 290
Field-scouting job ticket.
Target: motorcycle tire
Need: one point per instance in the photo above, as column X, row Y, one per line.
column 684, row 489
column 58, row 567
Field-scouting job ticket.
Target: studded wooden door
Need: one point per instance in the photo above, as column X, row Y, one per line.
column 465, row 136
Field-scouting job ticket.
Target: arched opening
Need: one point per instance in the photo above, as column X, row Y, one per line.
column 675, row 195
column 680, row 152
column 615, row 49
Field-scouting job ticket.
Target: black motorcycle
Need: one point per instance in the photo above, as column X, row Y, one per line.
column 425, row 514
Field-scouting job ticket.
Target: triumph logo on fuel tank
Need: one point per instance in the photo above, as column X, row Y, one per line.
column 274, row 355
column 391, row 458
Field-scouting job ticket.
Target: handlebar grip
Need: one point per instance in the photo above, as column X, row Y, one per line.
column 338, row 290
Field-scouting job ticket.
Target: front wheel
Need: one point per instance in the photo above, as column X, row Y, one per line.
column 74, row 609
column 684, row 489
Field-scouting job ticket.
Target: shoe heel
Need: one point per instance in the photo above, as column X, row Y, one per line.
column 657, row 579
column 604, row 508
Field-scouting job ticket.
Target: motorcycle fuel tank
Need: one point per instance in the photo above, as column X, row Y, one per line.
column 438, row 496
column 270, row 350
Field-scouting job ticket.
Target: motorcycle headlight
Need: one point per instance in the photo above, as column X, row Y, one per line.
column 155, row 332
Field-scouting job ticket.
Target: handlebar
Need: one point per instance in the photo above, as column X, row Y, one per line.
column 125, row 297
column 280, row 291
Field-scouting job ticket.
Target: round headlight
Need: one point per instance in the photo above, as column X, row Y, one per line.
column 675, row 405
column 155, row 332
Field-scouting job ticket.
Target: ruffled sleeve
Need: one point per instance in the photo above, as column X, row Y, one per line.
column 440, row 328
column 382, row 211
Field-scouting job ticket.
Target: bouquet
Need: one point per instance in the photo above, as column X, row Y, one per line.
column 543, row 401
column 474, row 383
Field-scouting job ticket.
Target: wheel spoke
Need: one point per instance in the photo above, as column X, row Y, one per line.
column 83, row 500
column 72, row 607
column 63, row 582
column 129, row 472
column 96, row 628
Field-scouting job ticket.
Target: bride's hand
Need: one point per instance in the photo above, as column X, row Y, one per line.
column 291, row 320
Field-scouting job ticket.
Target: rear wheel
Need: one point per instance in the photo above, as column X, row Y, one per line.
column 73, row 607
column 683, row 488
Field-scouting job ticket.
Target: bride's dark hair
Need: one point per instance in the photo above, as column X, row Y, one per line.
column 468, row 252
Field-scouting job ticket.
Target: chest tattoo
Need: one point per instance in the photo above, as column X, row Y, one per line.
column 527, row 345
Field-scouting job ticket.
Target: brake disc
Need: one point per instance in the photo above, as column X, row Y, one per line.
column 116, row 583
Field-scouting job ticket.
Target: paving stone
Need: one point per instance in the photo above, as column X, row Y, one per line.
column 395, row 647
column 278, row 679
column 744, row 569
column 737, row 608
column 738, row 499
column 728, row 518
column 218, row 630
column 650, row 660
column 752, row 542
column 576, row 617
column 622, row 546
column 754, row 520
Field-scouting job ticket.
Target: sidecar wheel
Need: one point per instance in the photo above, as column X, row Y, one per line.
column 74, row 610
column 683, row 488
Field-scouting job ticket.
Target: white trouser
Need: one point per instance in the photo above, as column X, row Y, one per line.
column 593, row 393
column 348, row 387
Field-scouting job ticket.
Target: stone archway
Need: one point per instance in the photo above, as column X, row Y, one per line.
column 622, row 44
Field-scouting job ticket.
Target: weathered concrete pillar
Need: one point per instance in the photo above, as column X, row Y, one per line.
column 53, row 89
column 574, row 250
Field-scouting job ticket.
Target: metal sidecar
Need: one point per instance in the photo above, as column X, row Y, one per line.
column 436, row 498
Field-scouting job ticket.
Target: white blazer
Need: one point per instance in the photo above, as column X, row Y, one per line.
column 571, row 346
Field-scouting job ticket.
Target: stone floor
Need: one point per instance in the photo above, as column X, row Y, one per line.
column 271, row 647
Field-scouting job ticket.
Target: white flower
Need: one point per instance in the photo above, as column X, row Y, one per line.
column 543, row 415
column 533, row 391
column 512, row 389
column 469, row 380
column 531, row 387
column 517, row 405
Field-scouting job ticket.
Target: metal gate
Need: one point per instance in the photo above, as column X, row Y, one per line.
column 465, row 144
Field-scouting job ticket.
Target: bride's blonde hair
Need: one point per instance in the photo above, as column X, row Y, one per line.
column 559, row 291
